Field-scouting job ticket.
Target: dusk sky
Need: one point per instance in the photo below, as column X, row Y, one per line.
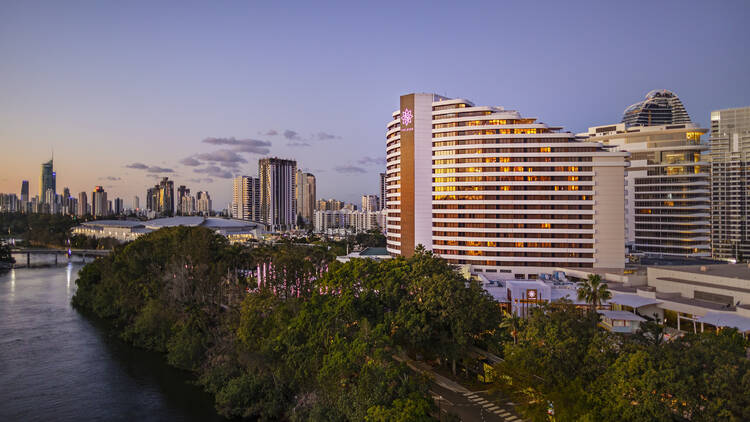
column 127, row 92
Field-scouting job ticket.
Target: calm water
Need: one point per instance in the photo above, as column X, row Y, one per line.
column 58, row 365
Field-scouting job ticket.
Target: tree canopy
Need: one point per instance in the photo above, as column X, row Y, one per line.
column 305, row 338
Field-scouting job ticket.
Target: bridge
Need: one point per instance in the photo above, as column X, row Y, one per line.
column 83, row 253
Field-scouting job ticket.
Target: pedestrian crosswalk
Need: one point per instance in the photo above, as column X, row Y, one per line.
column 492, row 407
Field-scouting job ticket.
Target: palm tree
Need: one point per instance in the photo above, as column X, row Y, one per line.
column 593, row 291
column 512, row 323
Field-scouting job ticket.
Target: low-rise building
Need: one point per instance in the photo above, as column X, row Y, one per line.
column 127, row 230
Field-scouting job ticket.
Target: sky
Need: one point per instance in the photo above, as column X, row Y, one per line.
column 128, row 92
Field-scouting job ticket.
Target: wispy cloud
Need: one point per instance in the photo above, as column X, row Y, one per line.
column 323, row 136
column 253, row 146
column 223, row 157
column 190, row 161
column 215, row 171
column 349, row 169
column 291, row 135
column 149, row 169
column 380, row 161
column 298, row 144
column 269, row 132
column 110, row 178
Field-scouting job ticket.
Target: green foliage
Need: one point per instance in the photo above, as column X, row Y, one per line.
column 5, row 256
column 371, row 238
column 303, row 344
column 80, row 241
column 590, row 374
column 252, row 396
column 38, row 229
column 593, row 291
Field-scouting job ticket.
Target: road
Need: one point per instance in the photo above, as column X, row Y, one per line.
column 473, row 406
column 468, row 405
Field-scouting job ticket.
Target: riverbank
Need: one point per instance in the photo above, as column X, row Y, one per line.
column 56, row 364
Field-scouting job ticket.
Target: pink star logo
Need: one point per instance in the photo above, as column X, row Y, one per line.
column 406, row 117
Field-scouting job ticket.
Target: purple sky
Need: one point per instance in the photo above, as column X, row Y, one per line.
column 126, row 90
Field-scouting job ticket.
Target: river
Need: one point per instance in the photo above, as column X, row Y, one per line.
column 56, row 364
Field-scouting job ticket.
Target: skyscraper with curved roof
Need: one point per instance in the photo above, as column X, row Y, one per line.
column 661, row 107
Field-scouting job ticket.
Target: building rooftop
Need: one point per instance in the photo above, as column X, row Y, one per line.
column 632, row 300
column 717, row 270
column 114, row 223
column 374, row 251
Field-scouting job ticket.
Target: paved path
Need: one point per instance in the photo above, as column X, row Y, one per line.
column 469, row 406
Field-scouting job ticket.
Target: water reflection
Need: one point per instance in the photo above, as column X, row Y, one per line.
column 57, row 365
column 68, row 272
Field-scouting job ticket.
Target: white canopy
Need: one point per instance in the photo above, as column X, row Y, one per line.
column 632, row 300
column 621, row 315
column 726, row 319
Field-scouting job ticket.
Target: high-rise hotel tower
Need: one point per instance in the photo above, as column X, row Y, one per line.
column 730, row 171
column 667, row 186
column 487, row 187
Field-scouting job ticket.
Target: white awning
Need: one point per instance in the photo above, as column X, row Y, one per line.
column 726, row 319
column 632, row 300
column 621, row 315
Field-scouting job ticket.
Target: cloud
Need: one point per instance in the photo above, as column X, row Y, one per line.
column 253, row 146
column 350, row 169
column 223, row 157
column 110, row 178
column 298, row 144
column 201, row 180
column 270, row 132
column 157, row 169
column 215, row 171
column 190, row 161
column 380, row 161
column 323, row 136
column 149, row 169
column 291, row 135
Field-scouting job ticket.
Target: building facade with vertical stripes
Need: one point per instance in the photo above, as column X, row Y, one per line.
column 503, row 193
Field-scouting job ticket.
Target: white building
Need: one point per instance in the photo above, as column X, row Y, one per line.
column 246, row 198
column 667, row 188
column 487, row 187
column 351, row 221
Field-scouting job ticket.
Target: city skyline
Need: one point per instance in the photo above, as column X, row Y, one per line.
column 122, row 106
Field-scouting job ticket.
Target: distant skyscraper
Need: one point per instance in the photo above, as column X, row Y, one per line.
column 187, row 205
column 82, row 204
column 182, row 191
column 25, row 191
column 730, row 193
column 160, row 198
column 136, row 203
column 277, row 192
column 203, row 203
column 119, row 206
column 99, row 202
column 369, row 203
column 305, row 191
column 166, row 197
column 47, row 181
column 246, row 198
column 661, row 107
column 382, row 191
column 152, row 199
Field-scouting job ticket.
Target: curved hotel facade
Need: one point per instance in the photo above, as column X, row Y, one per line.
column 503, row 193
